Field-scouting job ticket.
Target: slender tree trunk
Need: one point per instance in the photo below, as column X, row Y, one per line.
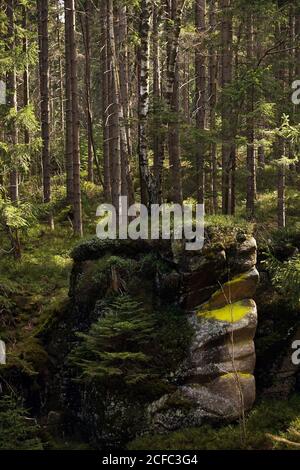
column 260, row 123
column 26, row 71
column 77, row 211
column 85, row 24
column 148, row 187
column 114, row 112
column 226, row 66
column 281, row 187
column 251, row 164
column 68, row 106
column 200, row 70
column 186, row 87
column 280, row 147
column 125, row 136
column 213, row 71
column 174, row 19
column 44, row 97
column 60, row 70
column 105, row 75
column 158, row 144
column 11, row 87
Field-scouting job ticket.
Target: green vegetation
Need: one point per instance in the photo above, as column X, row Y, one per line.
column 279, row 418
column 285, row 277
column 130, row 349
column 17, row 430
column 216, row 125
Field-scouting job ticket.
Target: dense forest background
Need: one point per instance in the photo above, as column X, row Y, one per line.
column 161, row 101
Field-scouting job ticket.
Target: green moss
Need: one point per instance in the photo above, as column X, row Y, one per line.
column 269, row 416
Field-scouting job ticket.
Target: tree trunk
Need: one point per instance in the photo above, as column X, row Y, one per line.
column 114, row 113
column 174, row 19
column 226, row 67
column 125, row 136
column 148, row 186
column 105, row 75
column 158, row 144
column 186, row 87
column 11, row 87
column 25, row 73
column 60, row 71
column 213, row 72
column 251, row 164
column 281, row 177
column 200, row 70
column 77, row 211
column 85, row 24
column 280, row 147
column 68, row 106
column 44, row 97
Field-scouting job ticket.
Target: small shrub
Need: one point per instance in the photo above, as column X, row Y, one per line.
column 17, row 430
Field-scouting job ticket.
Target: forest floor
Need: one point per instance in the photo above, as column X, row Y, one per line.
column 272, row 424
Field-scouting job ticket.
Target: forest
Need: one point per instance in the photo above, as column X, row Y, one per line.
column 164, row 102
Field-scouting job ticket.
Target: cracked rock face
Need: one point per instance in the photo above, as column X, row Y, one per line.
column 216, row 381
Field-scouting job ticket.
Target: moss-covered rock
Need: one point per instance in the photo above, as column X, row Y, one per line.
column 191, row 354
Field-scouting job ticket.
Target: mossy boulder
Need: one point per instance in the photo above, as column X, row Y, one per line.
column 194, row 349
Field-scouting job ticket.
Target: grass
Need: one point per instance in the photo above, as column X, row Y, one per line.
column 33, row 289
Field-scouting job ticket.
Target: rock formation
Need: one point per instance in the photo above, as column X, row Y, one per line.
column 216, row 380
column 214, row 288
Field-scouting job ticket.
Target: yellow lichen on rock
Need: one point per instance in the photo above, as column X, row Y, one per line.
column 230, row 313
column 241, row 375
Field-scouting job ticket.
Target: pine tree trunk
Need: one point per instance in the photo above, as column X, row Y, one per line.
column 105, row 75
column 226, row 66
column 281, row 177
column 186, row 87
column 61, row 74
column 251, row 164
column 213, row 72
column 68, row 106
column 174, row 12
column 114, row 112
column 11, row 87
column 200, row 70
column 147, row 186
column 280, row 147
column 126, row 147
column 25, row 73
column 158, row 144
column 77, row 211
column 85, row 23
column 44, row 98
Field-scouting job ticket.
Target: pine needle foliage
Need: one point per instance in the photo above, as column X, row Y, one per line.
column 17, row 430
column 115, row 345
column 130, row 348
column 285, row 277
